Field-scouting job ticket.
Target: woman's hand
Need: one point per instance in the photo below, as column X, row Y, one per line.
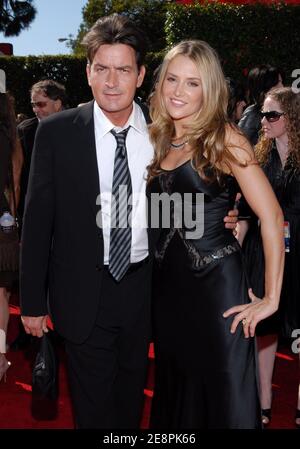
column 250, row 314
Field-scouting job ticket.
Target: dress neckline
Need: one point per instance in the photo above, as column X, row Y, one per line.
column 185, row 163
column 176, row 168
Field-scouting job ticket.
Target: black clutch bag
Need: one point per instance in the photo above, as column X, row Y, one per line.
column 45, row 371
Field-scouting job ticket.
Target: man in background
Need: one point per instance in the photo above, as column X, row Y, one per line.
column 47, row 98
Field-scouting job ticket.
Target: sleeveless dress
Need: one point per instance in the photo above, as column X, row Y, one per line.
column 205, row 377
column 285, row 182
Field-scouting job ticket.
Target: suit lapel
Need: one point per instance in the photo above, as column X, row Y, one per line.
column 87, row 152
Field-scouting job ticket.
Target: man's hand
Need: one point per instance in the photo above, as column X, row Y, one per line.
column 35, row 325
column 232, row 218
column 241, row 230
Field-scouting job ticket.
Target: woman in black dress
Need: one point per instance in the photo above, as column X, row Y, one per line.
column 10, row 153
column 278, row 151
column 205, row 357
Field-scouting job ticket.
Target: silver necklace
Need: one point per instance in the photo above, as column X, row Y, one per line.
column 178, row 146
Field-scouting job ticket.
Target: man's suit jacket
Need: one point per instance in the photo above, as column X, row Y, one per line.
column 61, row 240
column 26, row 132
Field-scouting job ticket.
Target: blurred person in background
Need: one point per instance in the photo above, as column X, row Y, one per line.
column 260, row 80
column 10, row 167
column 236, row 101
column 21, row 117
column 278, row 152
column 47, row 97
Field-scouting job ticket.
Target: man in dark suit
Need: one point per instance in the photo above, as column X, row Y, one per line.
column 47, row 97
column 26, row 132
column 99, row 274
column 105, row 320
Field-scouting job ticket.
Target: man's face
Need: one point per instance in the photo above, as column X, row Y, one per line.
column 113, row 77
column 43, row 106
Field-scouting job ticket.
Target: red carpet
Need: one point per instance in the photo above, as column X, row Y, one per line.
column 18, row 412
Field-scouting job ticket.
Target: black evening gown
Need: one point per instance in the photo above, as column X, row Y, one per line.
column 205, row 377
column 286, row 185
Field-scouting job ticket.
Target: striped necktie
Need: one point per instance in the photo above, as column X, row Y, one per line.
column 120, row 232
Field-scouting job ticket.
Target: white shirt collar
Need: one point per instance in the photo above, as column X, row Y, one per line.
column 136, row 120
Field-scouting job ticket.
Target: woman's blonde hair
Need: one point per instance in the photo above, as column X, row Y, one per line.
column 289, row 102
column 206, row 132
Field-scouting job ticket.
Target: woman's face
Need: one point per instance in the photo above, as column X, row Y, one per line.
column 182, row 90
column 275, row 127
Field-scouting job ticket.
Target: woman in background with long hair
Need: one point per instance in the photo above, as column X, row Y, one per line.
column 10, row 166
column 278, row 152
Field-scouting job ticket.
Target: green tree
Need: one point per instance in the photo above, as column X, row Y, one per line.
column 15, row 16
column 149, row 15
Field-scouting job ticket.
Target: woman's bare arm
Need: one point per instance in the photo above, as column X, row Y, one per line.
column 262, row 200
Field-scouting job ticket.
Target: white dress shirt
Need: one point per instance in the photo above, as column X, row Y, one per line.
column 140, row 154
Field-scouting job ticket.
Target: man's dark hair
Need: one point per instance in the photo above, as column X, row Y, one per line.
column 115, row 29
column 51, row 89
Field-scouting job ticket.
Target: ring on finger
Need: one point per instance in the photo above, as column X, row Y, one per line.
column 245, row 321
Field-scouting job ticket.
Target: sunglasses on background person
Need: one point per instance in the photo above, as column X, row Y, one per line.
column 271, row 116
column 39, row 104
